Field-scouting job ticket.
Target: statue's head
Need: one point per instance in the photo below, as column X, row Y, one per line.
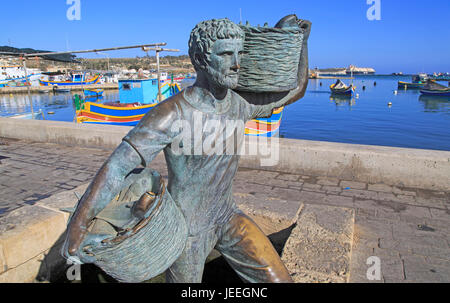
column 215, row 47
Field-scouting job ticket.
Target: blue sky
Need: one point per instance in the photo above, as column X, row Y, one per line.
column 412, row 35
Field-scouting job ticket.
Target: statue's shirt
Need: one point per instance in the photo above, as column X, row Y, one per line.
column 201, row 144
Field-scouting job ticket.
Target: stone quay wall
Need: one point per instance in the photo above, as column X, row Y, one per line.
column 406, row 167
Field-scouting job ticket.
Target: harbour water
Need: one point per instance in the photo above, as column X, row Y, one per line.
column 411, row 121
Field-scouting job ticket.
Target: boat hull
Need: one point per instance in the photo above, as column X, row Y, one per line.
column 93, row 92
column 428, row 92
column 410, row 85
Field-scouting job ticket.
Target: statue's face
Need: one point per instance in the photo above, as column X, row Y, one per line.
column 224, row 62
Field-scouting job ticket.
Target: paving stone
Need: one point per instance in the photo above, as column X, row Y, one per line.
column 399, row 191
column 312, row 187
column 353, row 185
column 287, row 193
column 331, row 189
column 358, row 193
column 418, row 270
column 380, row 187
column 288, row 177
column 327, row 181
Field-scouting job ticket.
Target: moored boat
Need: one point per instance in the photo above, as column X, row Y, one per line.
column 77, row 79
column 265, row 127
column 418, row 81
column 435, row 89
column 126, row 111
column 93, row 92
column 340, row 88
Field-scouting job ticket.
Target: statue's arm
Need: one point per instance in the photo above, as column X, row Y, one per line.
column 140, row 146
column 106, row 185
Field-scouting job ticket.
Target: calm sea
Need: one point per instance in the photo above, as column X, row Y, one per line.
column 411, row 121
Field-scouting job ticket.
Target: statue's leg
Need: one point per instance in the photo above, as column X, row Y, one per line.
column 188, row 268
column 250, row 253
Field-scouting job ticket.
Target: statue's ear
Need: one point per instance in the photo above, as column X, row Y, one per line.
column 199, row 60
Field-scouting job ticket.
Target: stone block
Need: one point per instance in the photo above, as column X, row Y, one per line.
column 319, row 247
column 25, row 272
column 2, row 260
column 29, row 231
column 271, row 214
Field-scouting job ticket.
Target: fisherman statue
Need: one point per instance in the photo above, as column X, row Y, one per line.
column 199, row 182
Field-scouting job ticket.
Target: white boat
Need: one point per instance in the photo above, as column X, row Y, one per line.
column 16, row 74
column 36, row 115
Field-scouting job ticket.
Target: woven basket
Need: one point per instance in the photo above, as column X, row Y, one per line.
column 147, row 249
column 271, row 58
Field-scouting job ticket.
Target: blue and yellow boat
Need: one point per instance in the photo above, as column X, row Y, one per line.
column 93, row 92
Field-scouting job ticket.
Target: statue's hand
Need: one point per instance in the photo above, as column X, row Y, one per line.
column 71, row 249
column 293, row 21
column 305, row 26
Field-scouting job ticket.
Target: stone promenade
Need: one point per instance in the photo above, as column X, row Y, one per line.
column 408, row 229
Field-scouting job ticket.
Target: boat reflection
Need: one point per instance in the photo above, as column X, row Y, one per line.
column 341, row 100
column 435, row 103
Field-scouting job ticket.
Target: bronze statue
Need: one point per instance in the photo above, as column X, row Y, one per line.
column 200, row 181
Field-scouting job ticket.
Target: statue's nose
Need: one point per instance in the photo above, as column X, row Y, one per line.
column 236, row 64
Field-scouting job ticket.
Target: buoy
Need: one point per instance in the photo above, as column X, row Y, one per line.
column 395, row 92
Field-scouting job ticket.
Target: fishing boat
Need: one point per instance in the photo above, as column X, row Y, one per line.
column 127, row 111
column 36, row 115
column 265, row 127
column 57, row 89
column 339, row 88
column 435, row 89
column 76, row 79
column 418, row 81
column 93, row 92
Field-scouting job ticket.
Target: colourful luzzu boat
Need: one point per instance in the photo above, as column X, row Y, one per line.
column 266, row 127
column 129, row 113
column 77, row 79
column 125, row 112
column 93, row 92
